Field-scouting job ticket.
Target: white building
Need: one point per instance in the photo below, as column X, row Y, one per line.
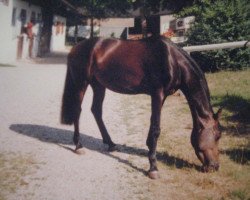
column 58, row 36
column 15, row 18
column 178, row 27
column 115, row 27
column 14, row 14
column 110, row 27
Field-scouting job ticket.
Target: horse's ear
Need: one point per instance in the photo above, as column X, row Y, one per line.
column 218, row 114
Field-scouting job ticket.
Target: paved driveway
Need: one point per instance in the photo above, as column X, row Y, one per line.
column 30, row 99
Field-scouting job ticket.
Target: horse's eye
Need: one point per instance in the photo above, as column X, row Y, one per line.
column 220, row 128
column 217, row 135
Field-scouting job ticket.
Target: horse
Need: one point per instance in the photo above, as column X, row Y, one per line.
column 154, row 66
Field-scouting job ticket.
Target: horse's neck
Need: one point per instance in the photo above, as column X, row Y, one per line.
column 198, row 98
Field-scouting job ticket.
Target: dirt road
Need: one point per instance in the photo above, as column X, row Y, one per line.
column 29, row 126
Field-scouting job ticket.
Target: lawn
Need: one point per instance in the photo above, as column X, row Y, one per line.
column 230, row 90
column 6, row 65
column 178, row 164
column 14, row 169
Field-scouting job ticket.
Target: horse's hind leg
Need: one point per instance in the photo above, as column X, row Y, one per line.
column 157, row 101
column 76, row 137
column 98, row 97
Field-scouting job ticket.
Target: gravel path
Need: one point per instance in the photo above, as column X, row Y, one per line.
column 29, row 124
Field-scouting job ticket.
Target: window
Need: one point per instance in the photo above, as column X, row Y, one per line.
column 13, row 21
column 181, row 33
column 23, row 16
column 33, row 17
column 180, row 23
column 5, row 2
column 39, row 17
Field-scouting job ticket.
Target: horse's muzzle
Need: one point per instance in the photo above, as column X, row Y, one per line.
column 212, row 167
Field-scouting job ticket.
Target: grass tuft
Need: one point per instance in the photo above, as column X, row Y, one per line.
column 6, row 65
column 13, row 170
column 239, row 195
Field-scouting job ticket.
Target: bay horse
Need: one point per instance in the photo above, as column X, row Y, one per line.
column 153, row 66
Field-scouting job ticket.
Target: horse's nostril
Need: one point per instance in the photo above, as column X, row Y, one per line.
column 211, row 167
column 216, row 166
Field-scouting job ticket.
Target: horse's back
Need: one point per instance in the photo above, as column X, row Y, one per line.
column 129, row 66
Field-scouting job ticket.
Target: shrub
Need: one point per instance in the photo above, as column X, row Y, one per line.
column 218, row 22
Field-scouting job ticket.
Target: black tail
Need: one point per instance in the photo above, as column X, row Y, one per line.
column 70, row 101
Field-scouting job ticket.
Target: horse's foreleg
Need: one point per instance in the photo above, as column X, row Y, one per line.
column 157, row 100
column 98, row 97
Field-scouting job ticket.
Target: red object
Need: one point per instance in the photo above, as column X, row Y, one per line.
column 29, row 30
column 169, row 33
column 30, row 25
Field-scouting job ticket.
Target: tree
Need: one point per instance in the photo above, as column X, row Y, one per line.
column 217, row 22
column 47, row 18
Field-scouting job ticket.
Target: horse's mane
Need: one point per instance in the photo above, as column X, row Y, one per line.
column 196, row 68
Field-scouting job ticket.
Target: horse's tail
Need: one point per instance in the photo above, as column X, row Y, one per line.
column 79, row 62
column 70, row 99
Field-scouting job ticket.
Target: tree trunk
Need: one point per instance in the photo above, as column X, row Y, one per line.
column 144, row 27
column 92, row 27
column 76, row 33
column 47, row 20
column 143, row 13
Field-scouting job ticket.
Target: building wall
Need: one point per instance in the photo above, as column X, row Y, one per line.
column 58, row 34
column 115, row 27
column 116, row 32
column 165, row 23
column 11, row 22
column 175, row 28
column 7, row 53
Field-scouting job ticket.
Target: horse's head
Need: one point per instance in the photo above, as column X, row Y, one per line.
column 206, row 142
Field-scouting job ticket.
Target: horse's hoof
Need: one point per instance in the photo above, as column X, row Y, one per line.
column 80, row 151
column 153, row 174
column 112, row 148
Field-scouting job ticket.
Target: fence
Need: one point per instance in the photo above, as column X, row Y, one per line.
column 209, row 47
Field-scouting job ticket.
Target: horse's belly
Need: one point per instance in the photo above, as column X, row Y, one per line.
column 121, row 81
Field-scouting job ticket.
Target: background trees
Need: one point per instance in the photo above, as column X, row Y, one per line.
column 217, row 22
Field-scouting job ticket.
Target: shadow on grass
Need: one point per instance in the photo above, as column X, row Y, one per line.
column 240, row 155
column 240, row 107
column 64, row 137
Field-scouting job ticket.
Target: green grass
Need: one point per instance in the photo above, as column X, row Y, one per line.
column 231, row 90
column 13, row 169
column 178, row 164
column 230, row 82
column 239, row 195
column 6, row 65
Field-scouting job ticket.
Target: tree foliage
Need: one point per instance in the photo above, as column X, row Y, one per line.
column 217, row 22
column 102, row 8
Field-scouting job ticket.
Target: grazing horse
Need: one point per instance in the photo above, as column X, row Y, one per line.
column 153, row 66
